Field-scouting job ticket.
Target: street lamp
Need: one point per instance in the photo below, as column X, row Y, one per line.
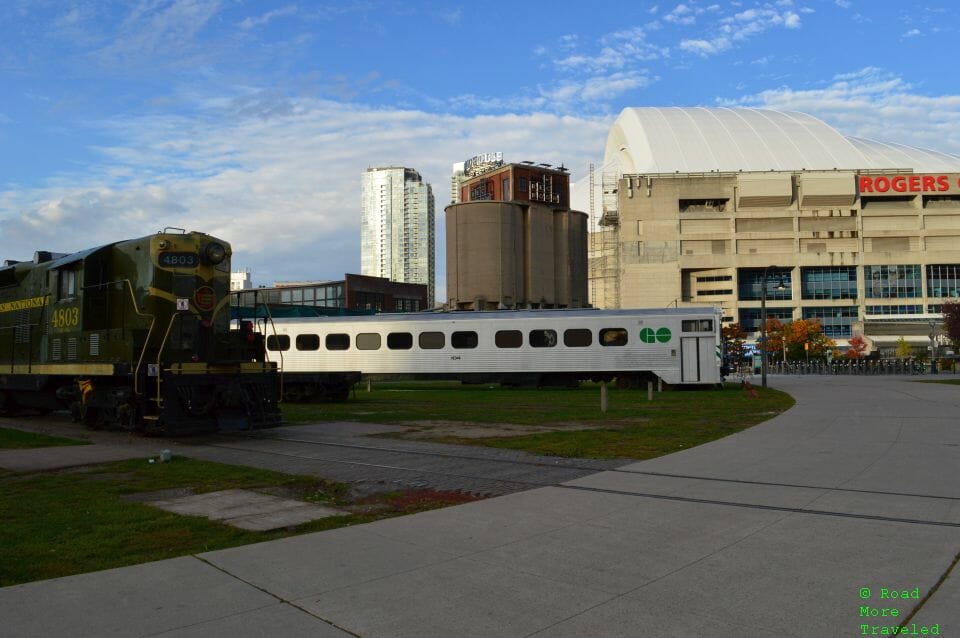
column 763, row 324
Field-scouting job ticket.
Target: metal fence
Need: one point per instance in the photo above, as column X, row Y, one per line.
column 854, row 366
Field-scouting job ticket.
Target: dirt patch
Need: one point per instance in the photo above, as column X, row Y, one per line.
column 410, row 501
column 159, row 495
column 472, row 430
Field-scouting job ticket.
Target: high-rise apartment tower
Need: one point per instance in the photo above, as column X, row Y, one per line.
column 397, row 226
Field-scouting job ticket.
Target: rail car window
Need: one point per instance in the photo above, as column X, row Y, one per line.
column 543, row 338
column 432, row 340
column 464, row 339
column 338, row 341
column 308, row 342
column 367, row 341
column 278, row 342
column 613, row 337
column 698, row 325
column 577, row 338
column 508, row 338
column 399, row 340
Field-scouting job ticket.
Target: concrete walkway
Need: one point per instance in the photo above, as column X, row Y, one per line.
column 795, row 527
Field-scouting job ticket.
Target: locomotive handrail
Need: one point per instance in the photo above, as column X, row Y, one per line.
column 146, row 342
column 269, row 316
column 266, row 307
column 163, row 344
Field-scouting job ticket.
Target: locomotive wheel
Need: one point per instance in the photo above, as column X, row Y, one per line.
column 341, row 393
column 91, row 417
column 7, row 406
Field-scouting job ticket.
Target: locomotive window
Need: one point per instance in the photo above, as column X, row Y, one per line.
column 432, row 340
column 66, row 284
column 508, row 338
column 368, row 341
column 543, row 338
column 338, row 341
column 399, row 340
column 698, row 325
column 278, row 342
column 308, row 342
column 465, row 339
column 577, row 338
column 613, row 337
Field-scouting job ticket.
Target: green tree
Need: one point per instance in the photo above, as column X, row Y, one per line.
column 904, row 349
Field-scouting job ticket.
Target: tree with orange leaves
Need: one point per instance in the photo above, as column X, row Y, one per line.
column 858, row 346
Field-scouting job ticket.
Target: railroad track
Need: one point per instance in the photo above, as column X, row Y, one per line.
column 397, row 463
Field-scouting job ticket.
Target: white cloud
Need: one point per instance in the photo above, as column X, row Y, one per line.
column 280, row 181
column 452, row 18
column 873, row 104
column 706, row 47
column 159, row 31
column 911, row 33
column 618, row 50
column 253, row 22
column 682, row 14
column 597, row 88
column 843, row 4
column 741, row 26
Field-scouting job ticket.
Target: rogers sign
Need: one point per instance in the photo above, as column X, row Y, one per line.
column 905, row 183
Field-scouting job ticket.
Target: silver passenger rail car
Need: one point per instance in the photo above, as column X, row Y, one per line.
column 542, row 347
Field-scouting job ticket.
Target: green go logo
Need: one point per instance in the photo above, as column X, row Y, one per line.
column 649, row 335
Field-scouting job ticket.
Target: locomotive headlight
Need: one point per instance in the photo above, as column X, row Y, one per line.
column 215, row 253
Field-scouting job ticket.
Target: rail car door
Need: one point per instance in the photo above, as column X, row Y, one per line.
column 696, row 353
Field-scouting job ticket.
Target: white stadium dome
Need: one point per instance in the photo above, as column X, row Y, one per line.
column 652, row 140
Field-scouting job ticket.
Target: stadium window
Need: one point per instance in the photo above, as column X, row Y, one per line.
column 368, row 341
column 508, row 338
column 400, row 340
column 432, row 340
column 338, row 341
column 613, row 337
column 308, row 342
column 577, row 338
column 464, row 340
column 543, row 338
column 278, row 342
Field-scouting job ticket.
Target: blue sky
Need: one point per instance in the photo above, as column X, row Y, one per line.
column 254, row 120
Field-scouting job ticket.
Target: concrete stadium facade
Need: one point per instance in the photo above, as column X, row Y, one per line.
column 700, row 203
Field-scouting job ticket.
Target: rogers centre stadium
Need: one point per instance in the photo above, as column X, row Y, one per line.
column 700, row 204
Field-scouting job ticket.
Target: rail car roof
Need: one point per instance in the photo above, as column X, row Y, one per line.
column 506, row 315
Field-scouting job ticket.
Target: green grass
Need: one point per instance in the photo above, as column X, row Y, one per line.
column 952, row 381
column 638, row 429
column 18, row 439
column 76, row 521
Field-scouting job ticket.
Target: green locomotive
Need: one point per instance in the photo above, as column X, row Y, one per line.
column 135, row 335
